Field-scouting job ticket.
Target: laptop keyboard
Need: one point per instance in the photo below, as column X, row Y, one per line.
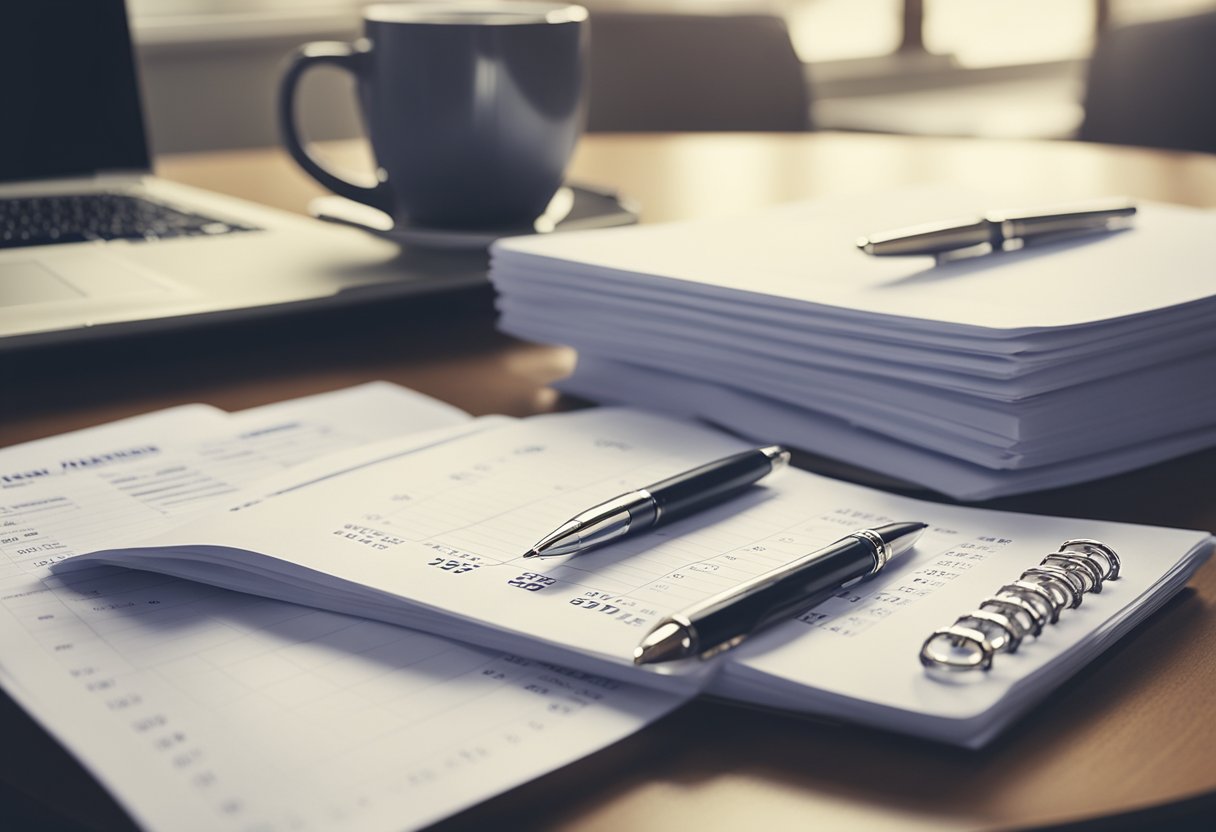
column 45, row 220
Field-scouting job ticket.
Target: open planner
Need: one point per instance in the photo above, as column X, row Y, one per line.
column 429, row 531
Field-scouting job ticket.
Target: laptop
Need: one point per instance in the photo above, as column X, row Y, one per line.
column 91, row 243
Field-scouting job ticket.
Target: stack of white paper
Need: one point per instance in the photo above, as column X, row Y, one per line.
column 988, row 376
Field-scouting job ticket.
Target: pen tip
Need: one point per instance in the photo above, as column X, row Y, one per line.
column 531, row 553
column 901, row 537
column 669, row 640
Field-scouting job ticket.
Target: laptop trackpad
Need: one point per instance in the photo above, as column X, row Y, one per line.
column 68, row 278
column 30, row 282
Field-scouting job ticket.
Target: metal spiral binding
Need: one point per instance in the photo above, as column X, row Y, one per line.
column 1020, row 609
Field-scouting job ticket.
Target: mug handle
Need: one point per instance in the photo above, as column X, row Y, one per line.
column 345, row 56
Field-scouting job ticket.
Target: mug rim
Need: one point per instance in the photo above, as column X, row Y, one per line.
column 475, row 13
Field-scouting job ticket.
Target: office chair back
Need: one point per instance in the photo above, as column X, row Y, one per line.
column 1151, row 84
column 674, row 72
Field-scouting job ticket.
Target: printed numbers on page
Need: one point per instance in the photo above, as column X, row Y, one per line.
column 33, row 548
column 626, row 617
column 466, row 756
column 38, row 564
column 368, row 536
column 532, row 581
column 444, row 554
column 125, row 701
column 613, row 444
column 421, row 777
column 169, row 741
column 454, row 567
column 890, row 599
column 591, row 604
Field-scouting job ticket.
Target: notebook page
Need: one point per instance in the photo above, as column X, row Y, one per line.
column 447, row 528
column 863, row 644
column 78, row 451
column 479, row 503
column 198, row 706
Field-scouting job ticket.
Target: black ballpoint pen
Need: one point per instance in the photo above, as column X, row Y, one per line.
column 722, row 621
column 672, row 498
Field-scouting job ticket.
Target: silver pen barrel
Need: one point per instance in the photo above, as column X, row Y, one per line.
column 997, row 228
column 1026, row 225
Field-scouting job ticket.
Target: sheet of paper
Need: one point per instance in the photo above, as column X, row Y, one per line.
column 955, row 423
column 114, row 443
column 540, row 277
column 659, row 340
column 767, row 420
column 806, row 253
column 546, row 283
column 209, row 710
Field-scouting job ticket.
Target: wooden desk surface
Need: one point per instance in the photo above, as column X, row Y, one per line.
column 1137, row 729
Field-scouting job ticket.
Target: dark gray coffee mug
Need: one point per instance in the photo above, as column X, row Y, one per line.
column 472, row 109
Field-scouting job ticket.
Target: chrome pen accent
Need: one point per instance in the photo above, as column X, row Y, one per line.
column 597, row 525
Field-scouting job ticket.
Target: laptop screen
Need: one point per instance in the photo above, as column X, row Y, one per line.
column 71, row 101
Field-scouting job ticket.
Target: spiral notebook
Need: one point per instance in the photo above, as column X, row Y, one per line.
column 432, row 536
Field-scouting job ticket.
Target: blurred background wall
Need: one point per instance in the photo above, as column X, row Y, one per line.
column 996, row 68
